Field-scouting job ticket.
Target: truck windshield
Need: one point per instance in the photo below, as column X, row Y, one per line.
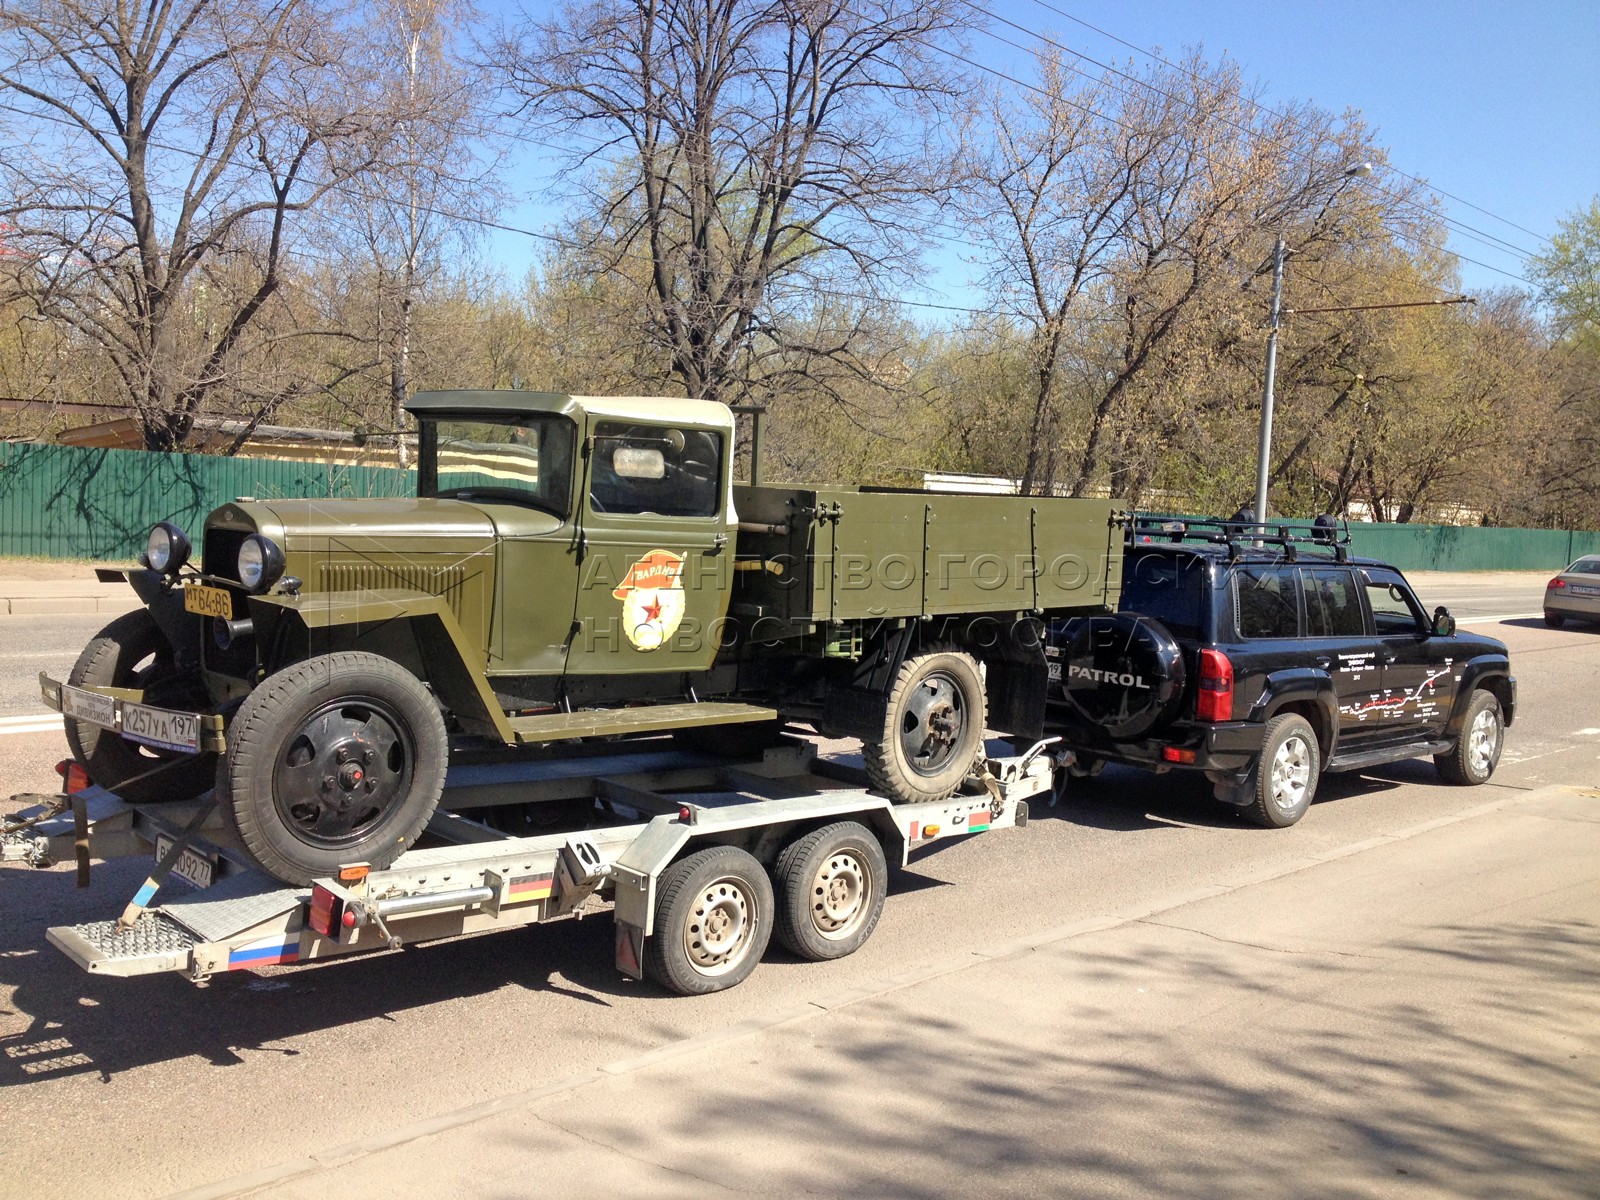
column 525, row 459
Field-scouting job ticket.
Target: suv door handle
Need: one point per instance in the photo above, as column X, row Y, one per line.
column 1387, row 657
column 1324, row 661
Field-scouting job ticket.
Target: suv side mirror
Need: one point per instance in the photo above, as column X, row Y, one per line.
column 1444, row 625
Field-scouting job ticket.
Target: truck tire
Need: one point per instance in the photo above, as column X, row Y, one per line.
column 1280, row 785
column 335, row 760
column 1122, row 673
column 132, row 652
column 830, row 886
column 1477, row 751
column 712, row 924
column 932, row 729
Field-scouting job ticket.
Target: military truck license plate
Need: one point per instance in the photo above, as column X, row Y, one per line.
column 197, row 868
column 161, row 727
column 208, row 601
column 1055, row 671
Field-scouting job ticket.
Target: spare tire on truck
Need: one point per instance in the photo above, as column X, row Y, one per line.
column 1122, row 673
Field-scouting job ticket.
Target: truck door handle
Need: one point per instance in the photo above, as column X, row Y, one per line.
column 718, row 541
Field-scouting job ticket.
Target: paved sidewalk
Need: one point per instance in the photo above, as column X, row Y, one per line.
column 27, row 597
column 1413, row 1016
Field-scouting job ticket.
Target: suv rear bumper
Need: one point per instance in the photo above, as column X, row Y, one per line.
column 1227, row 746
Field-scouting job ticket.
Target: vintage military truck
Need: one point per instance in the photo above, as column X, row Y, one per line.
column 571, row 568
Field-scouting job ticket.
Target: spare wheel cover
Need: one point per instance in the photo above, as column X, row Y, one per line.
column 1123, row 673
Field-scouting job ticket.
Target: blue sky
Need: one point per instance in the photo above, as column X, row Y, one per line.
column 1496, row 103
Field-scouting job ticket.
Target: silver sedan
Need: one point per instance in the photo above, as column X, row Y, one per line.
column 1574, row 594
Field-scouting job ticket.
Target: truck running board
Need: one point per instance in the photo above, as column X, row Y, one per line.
column 654, row 718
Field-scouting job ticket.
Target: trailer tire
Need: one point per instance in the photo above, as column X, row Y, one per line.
column 713, row 921
column 830, row 887
column 932, row 728
column 334, row 760
column 132, row 652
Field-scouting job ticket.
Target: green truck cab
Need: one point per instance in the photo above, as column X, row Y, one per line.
column 571, row 568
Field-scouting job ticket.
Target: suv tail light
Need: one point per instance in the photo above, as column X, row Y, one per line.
column 1214, row 701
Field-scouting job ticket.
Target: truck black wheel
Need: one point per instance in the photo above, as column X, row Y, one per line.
column 1281, row 783
column 830, row 886
column 1477, row 751
column 932, row 729
column 335, row 760
column 132, row 652
column 713, row 921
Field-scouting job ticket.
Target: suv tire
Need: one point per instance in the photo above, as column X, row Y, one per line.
column 1477, row 750
column 1281, row 783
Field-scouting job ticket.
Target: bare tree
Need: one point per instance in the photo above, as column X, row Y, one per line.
column 170, row 149
column 1122, row 218
column 746, row 153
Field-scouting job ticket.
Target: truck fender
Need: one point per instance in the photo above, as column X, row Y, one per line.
column 182, row 629
column 1308, row 691
column 382, row 620
column 1491, row 672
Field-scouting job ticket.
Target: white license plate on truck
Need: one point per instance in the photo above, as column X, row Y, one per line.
column 192, row 865
column 161, row 727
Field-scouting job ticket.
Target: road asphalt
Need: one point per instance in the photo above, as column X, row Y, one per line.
column 1410, row 1016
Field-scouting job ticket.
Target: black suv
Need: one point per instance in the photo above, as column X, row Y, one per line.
column 1264, row 655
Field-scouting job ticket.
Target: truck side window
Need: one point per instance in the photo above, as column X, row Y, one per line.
column 1266, row 601
column 1333, row 605
column 1394, row 609
column 655, row 469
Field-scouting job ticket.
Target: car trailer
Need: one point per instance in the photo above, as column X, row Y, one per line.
column 702, row 861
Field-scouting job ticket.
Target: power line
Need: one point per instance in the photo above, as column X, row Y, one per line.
column 1012, row 79
column 1273, row 112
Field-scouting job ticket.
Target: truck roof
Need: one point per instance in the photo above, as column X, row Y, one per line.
column 703, row 413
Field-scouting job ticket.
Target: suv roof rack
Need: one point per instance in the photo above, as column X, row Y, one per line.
column 1324, row 535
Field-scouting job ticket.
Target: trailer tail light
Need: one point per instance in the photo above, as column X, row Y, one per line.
column 74, row 778
column 1214, row 701
column 1174, row 755
column 327, row 912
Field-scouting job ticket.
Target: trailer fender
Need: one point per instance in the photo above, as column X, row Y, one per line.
column 415, row 628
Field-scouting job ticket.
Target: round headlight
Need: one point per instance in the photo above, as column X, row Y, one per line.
column 167, row 548
column 260, row 563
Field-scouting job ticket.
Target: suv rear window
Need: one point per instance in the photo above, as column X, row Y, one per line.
column 1168, row 587
column 1266, row 602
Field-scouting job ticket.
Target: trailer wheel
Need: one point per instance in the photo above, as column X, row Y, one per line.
column 132, row 652
column 335, row 760
column 713, row 922
column 830, row 886
column 932, row 729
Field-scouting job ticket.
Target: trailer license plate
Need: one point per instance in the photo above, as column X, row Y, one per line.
column 197, row 868
column 161, row 727
column 208, row 601
column 89, row 706
column 1054, row 667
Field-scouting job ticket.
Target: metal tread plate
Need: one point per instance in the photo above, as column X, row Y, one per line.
column 155, row 943
column 232, row 905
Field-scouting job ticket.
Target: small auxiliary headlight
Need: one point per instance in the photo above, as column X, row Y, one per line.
column 167, row 548
column 260, row 563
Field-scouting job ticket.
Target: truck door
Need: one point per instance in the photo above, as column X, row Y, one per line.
column 1418, row 675
column 656, row 552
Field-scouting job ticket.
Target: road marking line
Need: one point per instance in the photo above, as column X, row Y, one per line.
column 31, row 723
column 1502, row 617
column 1590, row 732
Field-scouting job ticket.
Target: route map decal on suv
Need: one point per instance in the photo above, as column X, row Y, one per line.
column 1265, row 656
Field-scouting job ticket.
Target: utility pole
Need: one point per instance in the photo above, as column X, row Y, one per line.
column 1264, row 446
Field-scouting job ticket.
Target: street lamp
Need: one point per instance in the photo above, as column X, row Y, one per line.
column 1264, row 446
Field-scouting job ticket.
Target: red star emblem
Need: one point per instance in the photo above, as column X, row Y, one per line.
column 652, row 611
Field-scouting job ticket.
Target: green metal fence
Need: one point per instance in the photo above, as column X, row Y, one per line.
column 72, row 502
